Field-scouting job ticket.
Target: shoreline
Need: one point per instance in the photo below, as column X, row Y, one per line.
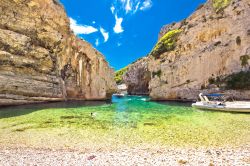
column 83, row 103
column 91, row 102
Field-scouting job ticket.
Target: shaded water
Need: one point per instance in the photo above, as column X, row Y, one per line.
column 128, row 121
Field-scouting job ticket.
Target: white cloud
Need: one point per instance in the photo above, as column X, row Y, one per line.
column 128, row 7
column 93, row 22
column 124, row 7
column 104, row 34
column 118, row 25
column 97, row 42
column 131, row 6
column 146, row 5
column 137, row 6
column 112, row 8
column 81, row 29
column 123, row 1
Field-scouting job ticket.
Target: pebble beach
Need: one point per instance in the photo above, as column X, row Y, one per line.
column 132, row 156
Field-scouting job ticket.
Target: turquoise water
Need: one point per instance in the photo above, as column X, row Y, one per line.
column 128, row 121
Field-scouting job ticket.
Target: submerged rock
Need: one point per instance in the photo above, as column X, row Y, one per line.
column 42, row 60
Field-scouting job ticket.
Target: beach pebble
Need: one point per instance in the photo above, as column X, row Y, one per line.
column 159, row 156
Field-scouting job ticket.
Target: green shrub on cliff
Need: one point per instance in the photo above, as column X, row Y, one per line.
column 158, row 73
column 119, row 74
column 166, row 43
column 235, row 81
column 244, row 60
column 220, row 4
column 239, row 81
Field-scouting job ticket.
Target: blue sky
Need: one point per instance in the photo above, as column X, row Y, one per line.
column 125, row 30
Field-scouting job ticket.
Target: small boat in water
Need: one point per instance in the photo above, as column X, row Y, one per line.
column 235, row 106
column 119, row 95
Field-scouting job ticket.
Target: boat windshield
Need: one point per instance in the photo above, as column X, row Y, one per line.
column 215, row 97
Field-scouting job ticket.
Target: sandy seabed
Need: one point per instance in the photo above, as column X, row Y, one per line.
column 130, row 156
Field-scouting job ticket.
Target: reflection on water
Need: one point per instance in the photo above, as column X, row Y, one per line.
column 128, row 120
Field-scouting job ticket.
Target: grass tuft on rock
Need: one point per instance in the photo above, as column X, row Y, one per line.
column 219, row 5
column 119, row 74
column 166, row 43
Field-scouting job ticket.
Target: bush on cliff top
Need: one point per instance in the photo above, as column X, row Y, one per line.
column 166, row 43
column 220, row 4
column 119, row 74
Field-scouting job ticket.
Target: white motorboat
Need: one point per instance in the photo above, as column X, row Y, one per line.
column 119, row 95
column 235, row 106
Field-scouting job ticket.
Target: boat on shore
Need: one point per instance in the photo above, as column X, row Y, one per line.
column 224, row 106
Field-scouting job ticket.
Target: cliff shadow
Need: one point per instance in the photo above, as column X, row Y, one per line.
column 14, row 111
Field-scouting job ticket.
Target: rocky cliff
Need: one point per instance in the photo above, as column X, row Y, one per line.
column 137, row 77
column 42, row 60
column 207, row 52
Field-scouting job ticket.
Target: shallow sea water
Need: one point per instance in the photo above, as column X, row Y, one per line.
column 124, row 122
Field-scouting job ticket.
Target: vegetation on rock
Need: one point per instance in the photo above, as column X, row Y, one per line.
column 119, row 74
column 158, row 73
column 238, row 81
column 219, row 5
column 244, row 60
column 166, row 43
column 235, row 81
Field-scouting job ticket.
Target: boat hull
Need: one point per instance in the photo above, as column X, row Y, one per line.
column 221, row 108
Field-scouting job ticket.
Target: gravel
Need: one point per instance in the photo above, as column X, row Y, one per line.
column 131, row 156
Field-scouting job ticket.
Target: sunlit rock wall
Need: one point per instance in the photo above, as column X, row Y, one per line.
column 211, row 45
column 42, row 60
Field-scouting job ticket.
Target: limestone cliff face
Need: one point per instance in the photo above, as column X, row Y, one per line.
column 42, row 60
column 137, row 78
column 213, row 43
